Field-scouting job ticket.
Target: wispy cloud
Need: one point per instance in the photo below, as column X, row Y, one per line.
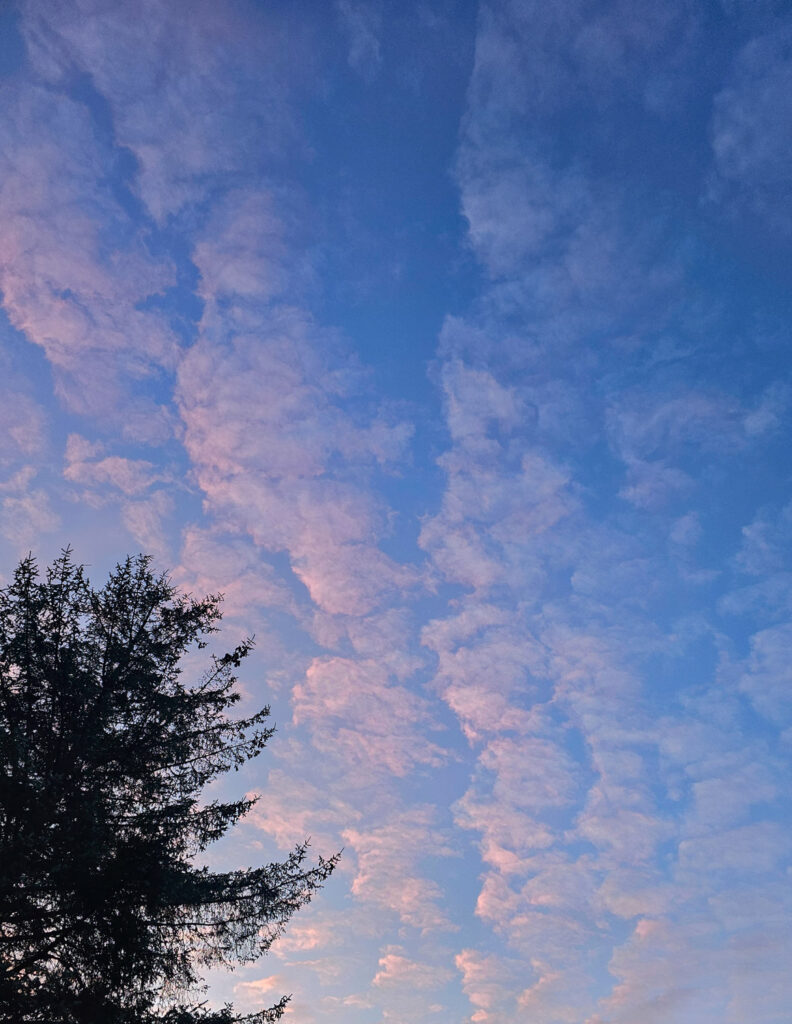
column 362, row 23
column 750, row 141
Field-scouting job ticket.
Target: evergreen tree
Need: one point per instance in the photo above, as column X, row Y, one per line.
column 106, row 916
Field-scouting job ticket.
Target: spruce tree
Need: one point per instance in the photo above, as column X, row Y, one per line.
column 106, row 914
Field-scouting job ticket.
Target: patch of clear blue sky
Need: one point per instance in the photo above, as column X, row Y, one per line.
column 12, row 48
column 391, row 243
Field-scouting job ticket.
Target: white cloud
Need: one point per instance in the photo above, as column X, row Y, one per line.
column 768, row 677
column 751, row 138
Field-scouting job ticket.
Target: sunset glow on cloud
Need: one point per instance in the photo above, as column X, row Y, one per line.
column 450, row 342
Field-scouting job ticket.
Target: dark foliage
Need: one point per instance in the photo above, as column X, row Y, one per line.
column 104, row 914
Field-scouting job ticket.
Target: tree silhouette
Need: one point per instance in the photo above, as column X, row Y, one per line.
column 105, row 917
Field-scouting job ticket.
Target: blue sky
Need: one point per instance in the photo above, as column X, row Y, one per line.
column 450, row 342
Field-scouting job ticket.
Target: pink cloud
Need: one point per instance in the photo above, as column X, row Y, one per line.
column 557, row 996
column 490, row 516
column 633, row 891
column 181, row 79
column 303, row 937
column 388, row 873
column 296, row 809
column 356, row 715
column 664, row 972
column 26, row 512
column 263, row 419
column 489, row 982
column 129, row 476
column 508, row 835
column 23, row 424
column 386, row 637
column 487, row 664
column 530, row 772
column 754, row 849
column 61, row 284
column 145, row 520
column 214, row 563
column 396, row 969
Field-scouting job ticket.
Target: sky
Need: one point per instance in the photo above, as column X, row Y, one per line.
column 450, row 342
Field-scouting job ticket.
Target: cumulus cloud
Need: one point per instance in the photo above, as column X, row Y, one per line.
column 260, row 434
column 768, row 677
column 214, row 563
column 490, row 514
column 489, row 982
column 303, row 937
column 388, row 872
column 85, row 466
column 356, row 714
column 251, row 995
column 296, row 809
column 508, row 836
column 267, row 409
column 397, row 969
